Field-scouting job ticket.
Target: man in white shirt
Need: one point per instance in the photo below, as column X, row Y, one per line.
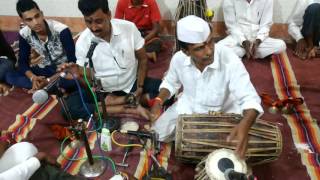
column 248, row 23
column 304, row 27
column 213, row 79
column 119, row 59
column 22, row 161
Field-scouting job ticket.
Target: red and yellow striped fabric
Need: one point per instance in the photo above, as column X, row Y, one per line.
column 72, row 158
column 24, row 123
column 305, row 131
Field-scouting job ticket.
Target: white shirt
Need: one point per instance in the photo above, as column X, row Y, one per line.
column 296, row 20
column 22, row 171
column 223, row 86
column 114, row 62
column 246, row 21
column 18, row 163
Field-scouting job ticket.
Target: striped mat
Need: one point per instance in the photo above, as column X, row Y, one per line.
column 72, row 158
column 145, row 161
column 304, row 129
column 26, row 121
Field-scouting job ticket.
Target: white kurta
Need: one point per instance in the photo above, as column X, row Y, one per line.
column 223, row 86
column 296, row 19
column 18, row 162
column 250, row 21
column 114, row 62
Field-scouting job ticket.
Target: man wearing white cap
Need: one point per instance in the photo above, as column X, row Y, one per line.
column 248, row 23
column 213, row 79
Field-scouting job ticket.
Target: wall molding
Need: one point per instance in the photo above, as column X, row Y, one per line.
column 76, row 24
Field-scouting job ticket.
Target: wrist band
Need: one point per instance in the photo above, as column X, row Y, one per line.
column 31, row 78
column 158, row 99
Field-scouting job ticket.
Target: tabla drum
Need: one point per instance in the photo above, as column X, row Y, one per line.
column 198, row 135
column 214, row 166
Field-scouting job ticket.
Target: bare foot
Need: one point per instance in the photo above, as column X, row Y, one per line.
column 312, row 53
column 4, row 89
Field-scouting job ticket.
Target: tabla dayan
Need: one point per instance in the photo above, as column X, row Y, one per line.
column 198, row 135
column 213, row 166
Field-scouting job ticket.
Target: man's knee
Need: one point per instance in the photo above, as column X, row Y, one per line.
column 9, row 77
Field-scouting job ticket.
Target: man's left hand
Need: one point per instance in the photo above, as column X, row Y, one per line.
column 73, row 70
column 239, row 134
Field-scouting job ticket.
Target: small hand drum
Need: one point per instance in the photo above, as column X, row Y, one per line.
column 200, row 134
column 216, row 163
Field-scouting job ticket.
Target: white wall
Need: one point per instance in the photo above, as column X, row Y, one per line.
column 68, row 8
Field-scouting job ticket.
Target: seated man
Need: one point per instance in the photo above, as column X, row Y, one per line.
column 146, row 16
column 119, row 60
column 304, row 27
column 7, row 63
column 50, row 39
column 22, row 161
column 213, row 79
column 248, row 23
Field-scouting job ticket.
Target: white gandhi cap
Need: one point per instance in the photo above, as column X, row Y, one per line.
column 192, row 29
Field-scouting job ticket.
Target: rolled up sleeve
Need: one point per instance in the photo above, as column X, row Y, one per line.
column 296, row 20
column 171, row 79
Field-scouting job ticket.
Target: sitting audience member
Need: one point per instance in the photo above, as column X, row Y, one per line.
column 119, row 59
column 146, row 16
column 248, row 23
column 22, row 161
column 304, row 27
column 213, row 79
column 50, row 39
column 7, row 63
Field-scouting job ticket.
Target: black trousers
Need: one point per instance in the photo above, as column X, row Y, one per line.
column 151, row 86
column 311, row 23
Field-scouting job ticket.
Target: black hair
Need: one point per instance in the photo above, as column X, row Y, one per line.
column 183, row 45
column 5, row 48
column 25, row 5
column 88, row 7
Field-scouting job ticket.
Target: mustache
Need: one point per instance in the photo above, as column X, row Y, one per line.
column 207, row 58
column 97, row 31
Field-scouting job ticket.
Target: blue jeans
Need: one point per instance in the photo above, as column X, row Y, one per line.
column 6, row 65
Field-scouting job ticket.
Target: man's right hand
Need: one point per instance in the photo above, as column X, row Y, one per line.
column 72, row 69
column 37, row 83
column 301, row 49
column 247, row 47
column 156, row 110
